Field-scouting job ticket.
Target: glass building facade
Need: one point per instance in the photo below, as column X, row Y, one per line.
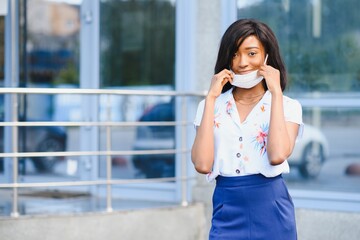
column 320, row 44
column 132, row 45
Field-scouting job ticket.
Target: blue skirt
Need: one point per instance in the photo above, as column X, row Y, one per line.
column 252, row 207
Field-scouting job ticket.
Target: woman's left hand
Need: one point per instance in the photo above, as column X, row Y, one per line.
column 272, row 77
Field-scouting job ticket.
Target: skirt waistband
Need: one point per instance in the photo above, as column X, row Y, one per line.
column 248, row 180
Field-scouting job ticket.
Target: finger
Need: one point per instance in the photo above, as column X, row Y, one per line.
column 262, row 71
column 227, row 74
column 225, row 79
column 229, row 71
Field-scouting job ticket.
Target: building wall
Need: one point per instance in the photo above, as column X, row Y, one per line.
column 177, row 223
column 208, row 35
column 51, row 18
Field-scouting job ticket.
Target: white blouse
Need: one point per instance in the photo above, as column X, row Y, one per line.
column 240, row 148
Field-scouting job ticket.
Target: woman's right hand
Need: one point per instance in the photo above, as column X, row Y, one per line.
column 218, row 81
column 202, row 152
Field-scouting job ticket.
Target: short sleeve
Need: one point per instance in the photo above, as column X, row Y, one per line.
column 199, row 113
column 293, row 113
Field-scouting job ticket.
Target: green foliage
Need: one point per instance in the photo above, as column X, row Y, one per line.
column 68, row 75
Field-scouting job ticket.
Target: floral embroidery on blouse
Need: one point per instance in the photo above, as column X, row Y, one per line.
column 260, row 139
column 229, row 107
column 216, row 115
column 262, row 108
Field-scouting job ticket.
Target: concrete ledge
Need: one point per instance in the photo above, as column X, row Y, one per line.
column 315, row 224
column 182, row 223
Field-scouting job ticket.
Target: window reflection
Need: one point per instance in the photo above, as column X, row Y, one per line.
column 2, row 50
column 334, row 131
column 137, row 50
column 320, row 45
column 50, row 40
column 48, row 57
column 319, row 41
column 137, row 42
column 141, row 138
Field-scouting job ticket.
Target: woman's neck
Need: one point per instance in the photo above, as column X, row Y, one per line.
column 248, row 95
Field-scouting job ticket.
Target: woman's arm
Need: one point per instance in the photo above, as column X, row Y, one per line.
column 202, row 152
column 282, row 134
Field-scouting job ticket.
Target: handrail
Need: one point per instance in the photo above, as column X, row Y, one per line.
column 87, row 124
column 93, row 183
column 100, row 91
column 183, row 123
column 91, row 153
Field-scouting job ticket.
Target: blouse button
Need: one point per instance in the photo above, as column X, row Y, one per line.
column 238, row 155
column 240, row 139
column 237, row 171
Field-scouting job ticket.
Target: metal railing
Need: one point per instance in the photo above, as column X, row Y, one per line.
column 109, row 182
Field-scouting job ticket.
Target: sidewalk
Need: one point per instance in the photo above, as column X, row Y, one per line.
column 52, row 202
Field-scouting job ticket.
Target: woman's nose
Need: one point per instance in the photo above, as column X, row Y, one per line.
column 243, row 62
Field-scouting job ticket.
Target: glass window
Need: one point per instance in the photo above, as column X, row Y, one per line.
column 319, row 40
column 2, row 67
column 49, row 43
column 137, row 43
column 137, row 51
column 2, row 50
column 48, row 57
column 48, row 54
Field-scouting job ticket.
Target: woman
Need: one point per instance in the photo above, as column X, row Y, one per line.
column 246, row 130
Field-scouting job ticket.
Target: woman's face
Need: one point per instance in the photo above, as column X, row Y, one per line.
column 249, row 57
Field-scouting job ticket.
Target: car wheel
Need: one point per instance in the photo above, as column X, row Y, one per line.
column 50, row 144
column 312, row 160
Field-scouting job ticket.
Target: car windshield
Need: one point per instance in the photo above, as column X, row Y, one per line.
column 160, row 112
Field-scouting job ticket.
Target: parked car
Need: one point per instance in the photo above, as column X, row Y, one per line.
column 309, row 154
column 37, row 139
column 156, row 138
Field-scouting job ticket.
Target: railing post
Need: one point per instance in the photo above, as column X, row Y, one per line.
column 108, row 158
column 14, row 133
column 12, row 80
column 184, row 201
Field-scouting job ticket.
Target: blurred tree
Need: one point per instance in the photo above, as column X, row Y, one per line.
column 67, row 75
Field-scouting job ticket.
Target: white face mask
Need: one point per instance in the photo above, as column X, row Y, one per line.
column 248, row 80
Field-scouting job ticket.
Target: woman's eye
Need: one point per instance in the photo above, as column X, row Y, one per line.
column 252, row 53
column 235, row 55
